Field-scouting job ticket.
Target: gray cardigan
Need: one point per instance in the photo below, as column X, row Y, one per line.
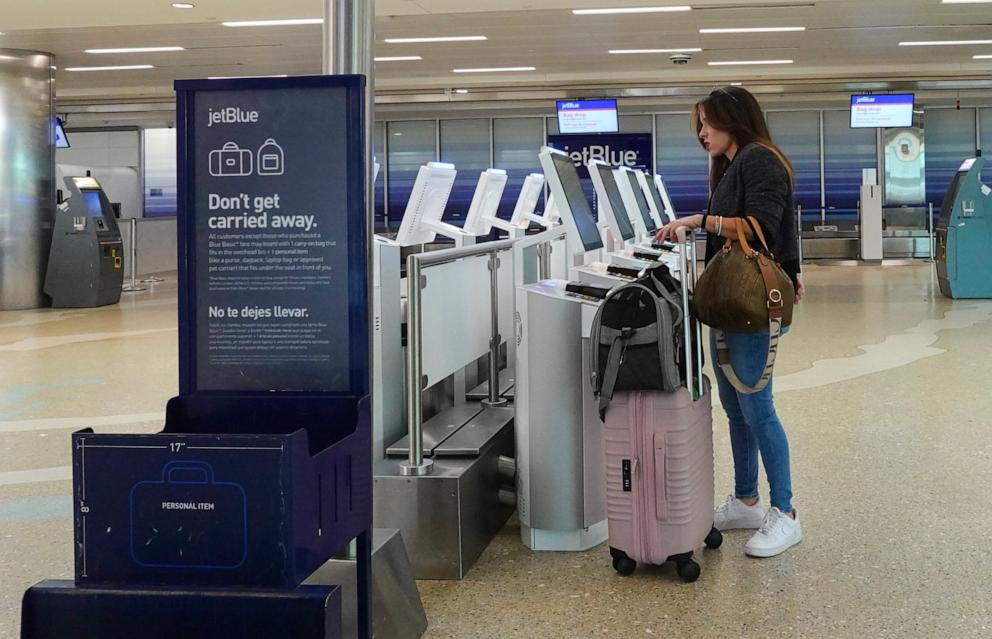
column 756, row 184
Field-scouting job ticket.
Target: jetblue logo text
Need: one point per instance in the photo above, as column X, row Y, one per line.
column 231, row 115
column 603, row 153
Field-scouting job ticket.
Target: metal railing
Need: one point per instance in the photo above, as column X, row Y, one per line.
column 416, row 464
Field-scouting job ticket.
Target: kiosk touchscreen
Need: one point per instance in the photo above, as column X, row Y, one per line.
column 481, row 216
column 610, row 202
column 570, row 200
column 85, row 266
column 659, row 186
column 530, row 194
column 655, row 205
column 422, row 217
column 633, row 197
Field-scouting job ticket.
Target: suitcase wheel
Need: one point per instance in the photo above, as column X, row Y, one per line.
column 625, row 566
column 621, row 562
column 688, row 571
column 714, row 540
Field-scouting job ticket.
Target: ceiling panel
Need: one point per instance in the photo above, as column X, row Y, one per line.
column 845, row 39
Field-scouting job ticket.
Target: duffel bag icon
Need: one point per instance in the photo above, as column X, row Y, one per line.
column 188, row 520
column 230, row 161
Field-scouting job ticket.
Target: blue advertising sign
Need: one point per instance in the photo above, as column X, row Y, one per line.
column 635, row 150
column 270, row 236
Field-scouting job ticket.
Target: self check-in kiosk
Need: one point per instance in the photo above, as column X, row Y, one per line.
column 964, row 234
column 85, row 266
column 561, row 497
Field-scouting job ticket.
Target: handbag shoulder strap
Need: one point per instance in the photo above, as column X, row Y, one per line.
column 723, row 359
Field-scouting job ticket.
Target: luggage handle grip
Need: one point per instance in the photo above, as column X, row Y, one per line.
column 203, row 468
column 688, row 242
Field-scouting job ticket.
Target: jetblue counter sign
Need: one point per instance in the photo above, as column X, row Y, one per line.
column 616, row 149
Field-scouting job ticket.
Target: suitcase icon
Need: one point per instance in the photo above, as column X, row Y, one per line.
column 230, row 161
column 188, row 520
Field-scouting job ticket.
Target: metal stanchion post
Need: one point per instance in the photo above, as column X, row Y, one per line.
column 544, row 261
column 799, row 230
column 699, row 341
column 933, row 243
column 494, row 338
column 416, row 464
column 132, row 286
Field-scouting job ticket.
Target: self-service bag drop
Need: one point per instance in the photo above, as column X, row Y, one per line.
column 658, row 428
column 745, row 291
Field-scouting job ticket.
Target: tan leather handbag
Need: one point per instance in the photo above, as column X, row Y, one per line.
column 745, row 291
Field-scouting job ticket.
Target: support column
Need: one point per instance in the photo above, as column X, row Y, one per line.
column 27, row 178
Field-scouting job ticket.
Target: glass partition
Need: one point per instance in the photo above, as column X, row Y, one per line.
column 464, row 143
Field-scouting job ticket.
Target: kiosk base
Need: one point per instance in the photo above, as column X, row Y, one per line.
column 564, row 540
column 397, row 611
column 56, row 609
column 448, row 517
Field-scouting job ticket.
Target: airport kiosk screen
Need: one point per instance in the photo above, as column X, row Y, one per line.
column 642, row 204
column 94, row 207
column 658, row 203
column 577, row 202
column 616, row 202
column 881, row 111
column 588, row 116
column 61, row 139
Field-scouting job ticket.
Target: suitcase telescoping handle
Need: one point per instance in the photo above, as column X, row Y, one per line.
column 687, row 268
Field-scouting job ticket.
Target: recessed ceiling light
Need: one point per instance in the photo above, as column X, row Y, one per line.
column 736, row 84
column 495, row 70
column 183, row 5
column 928, row 43
column 237, row 77
column 684, row 50
column 461, row 90
column 273, row 23
column 599, row 12
column 727, row 63
column 399, row 58
column 126, row 67
column 136, row 50
column 982, row 57
column 753, row 30
column 438, row 39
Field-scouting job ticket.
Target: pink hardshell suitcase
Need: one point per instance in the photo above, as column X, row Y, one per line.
column 659, row 467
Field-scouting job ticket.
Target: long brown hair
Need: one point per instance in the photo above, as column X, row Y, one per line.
column 736, row 112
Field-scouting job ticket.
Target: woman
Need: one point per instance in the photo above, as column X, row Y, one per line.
column 749, row 176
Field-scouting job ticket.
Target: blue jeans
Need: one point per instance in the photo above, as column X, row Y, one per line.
column 754, row 425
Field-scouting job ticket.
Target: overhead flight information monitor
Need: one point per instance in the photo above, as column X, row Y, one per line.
column 587, row 116
column 881, row 111
column 570, row 197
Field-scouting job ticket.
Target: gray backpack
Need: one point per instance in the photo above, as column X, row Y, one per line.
column 637, row 339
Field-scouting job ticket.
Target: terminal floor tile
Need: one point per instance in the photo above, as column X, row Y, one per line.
column 883, row 387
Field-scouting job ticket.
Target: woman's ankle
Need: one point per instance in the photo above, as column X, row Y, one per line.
column 748, row 501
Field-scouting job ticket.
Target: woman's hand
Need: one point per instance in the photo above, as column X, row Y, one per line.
column 800, row 288
column 689, row 223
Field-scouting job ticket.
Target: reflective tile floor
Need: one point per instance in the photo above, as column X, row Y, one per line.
column 883, row 387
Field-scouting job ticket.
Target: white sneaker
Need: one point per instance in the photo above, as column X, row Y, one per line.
column 733, row 514
column 777, row 534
